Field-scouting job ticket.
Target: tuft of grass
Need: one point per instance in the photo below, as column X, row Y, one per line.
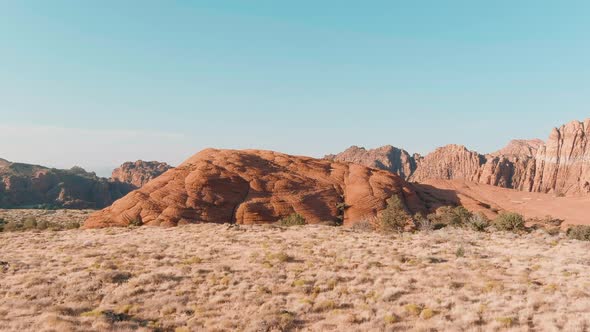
column 506, row 321
column 413, row 309
column 327, row 305
column 92, row 313
column 460, row 252
column 427, row 313
column 390, row 319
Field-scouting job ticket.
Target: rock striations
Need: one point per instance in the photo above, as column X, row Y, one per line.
column 253, row 186
column 560, row 166
column 139, row 173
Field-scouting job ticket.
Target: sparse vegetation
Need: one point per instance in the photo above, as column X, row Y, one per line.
column 366, row 224
column 479, row 222
column 509, row 221
column 308, row 278
column 394, row 218
column 292, row 220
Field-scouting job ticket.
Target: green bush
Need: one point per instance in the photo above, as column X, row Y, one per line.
column 394, row 218
column 579, row 232
column 509, row 221
column 292, row 220
column 450, row 216
column 133, row 223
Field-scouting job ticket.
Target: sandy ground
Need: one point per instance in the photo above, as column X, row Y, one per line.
column 263, row 278
column 59, row 217
column 475, row 197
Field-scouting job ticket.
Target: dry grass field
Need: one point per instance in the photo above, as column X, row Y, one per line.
column 267, row 278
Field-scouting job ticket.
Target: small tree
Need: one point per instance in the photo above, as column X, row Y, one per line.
column 394, row 217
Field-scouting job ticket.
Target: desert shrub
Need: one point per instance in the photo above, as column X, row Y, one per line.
column 460, row 252
column 341, row 208
column 394, row 217
column 2, row 223
column 71, row 225
column 29, row 223
column 509, row 221
column 450, row 216
column 366, row 224
column 479, row 222
column 135, row 222
column 42, row 225
column 293, row 219
column 423, row 224
column 12, row 226
column 579, row 232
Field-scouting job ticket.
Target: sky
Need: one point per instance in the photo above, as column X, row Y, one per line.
column 97, row 83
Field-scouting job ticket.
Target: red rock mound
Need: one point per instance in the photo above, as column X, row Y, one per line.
column 139, row 173
column 253, row 186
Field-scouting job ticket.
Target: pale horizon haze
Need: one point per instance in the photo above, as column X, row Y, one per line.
column 96, row 84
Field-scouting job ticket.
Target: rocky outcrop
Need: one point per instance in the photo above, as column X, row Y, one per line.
column 449, row 162
column 139, row 173
column 253, row 186
column 24, row 185
column 387, row 157
column 561, row 165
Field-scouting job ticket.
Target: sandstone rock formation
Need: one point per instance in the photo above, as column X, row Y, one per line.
column 387, row 157
column 561, row 165
column 24, row 185
column 253, row 186
column 139, row 173
column 520, row 148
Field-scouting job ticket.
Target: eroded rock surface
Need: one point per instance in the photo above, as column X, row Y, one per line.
column 253, row 186
column 561, row 165
column 140, row 172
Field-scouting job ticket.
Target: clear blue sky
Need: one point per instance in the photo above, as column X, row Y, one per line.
column 96, row 83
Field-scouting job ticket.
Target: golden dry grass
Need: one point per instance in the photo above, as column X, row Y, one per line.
column 263, row 278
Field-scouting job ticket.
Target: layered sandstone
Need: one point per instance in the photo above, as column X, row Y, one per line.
column 253, row 186
column 139, row 173
column 561, row 165
column 24, row 185
column 387, row 157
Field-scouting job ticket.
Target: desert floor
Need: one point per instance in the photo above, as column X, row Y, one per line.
column 261, row 278
column 474, row 196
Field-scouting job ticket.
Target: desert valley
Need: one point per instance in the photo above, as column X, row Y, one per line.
column 256, row 240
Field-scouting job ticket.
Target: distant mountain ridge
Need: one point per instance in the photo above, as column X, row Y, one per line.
column 561, row 165
column 34, row 186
